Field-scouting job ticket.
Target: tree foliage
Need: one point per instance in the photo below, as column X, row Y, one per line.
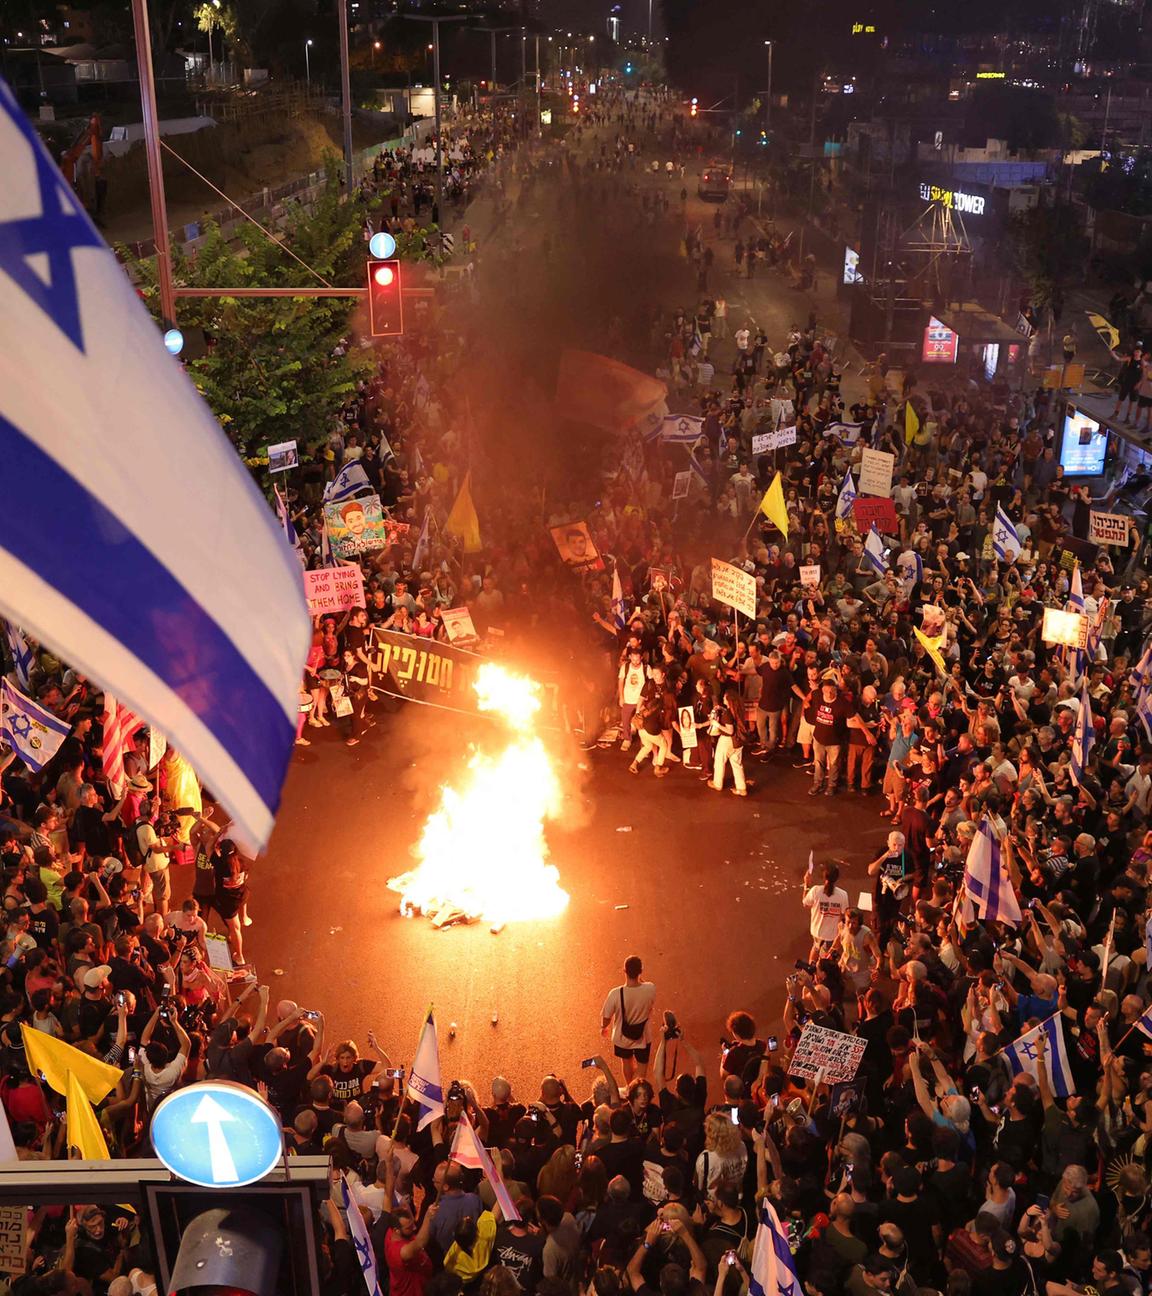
column 1050, row 249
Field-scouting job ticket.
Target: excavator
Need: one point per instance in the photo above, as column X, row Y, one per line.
column 91, row 185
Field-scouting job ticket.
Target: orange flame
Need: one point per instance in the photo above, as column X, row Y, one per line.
column 483, row 852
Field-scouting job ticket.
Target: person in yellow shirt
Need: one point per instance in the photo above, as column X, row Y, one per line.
column 471, row 1251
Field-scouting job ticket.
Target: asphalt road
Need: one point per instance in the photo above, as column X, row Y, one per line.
column 705, row 887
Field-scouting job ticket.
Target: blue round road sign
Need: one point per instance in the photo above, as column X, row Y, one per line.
column 381, row 245
column 217, row 1134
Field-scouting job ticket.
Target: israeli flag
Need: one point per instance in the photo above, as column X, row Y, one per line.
column 423, row 543
column 1144, row 710
column 1141, row 675
column 681, row 429
column 32, row 733
column 23, row 658
column 286, row 522
column 1083, row 739
column 184, row 601
column 617, row 598
column 874, row 550
column 987, row 881
column 1023, row 1056
column 1144, row 1022
column 1005, row 541
column 468, row 1151
column 773, row 1269
column 351, row 480
column 848, row 493
column 361, row 1239
column 424, row 1084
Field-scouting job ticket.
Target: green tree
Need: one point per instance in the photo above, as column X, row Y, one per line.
column 1049, row 248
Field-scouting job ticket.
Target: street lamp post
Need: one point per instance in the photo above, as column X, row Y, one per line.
column 345, row 91
column 768, row 107
column 375, row 47
column 307, row 63
column 436, row 20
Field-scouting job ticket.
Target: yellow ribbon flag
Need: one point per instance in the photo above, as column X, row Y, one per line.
column 462, row 521
column 932, row 647
column 84, row 1131
column 54, row 1060
column 911, row 423
column 773, row 507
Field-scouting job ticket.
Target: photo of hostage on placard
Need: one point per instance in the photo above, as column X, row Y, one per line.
column 356, row 526
column 576, row 547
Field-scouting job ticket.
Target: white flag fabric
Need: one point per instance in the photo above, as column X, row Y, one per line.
column 423, row 543
column 361, row 1239
column 874, row 550
column 468, row 1151
column 133, row 541
column 987, row 882
column 349, row 481
column 424, row 1084
column 1083, row 738
column 23, row 657
column 679, row 429
column 1023, row 1055
column 1005, row 539
column 617, row 597
column 33, row 733
column 848, row 493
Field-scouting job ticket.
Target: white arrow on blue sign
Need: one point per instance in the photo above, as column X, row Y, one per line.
column 217, row 1134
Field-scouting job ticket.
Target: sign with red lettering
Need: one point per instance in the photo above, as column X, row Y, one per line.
column 868, row 510
column 334, row 589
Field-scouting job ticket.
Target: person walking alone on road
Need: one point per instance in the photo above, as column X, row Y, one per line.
column 626, row 1018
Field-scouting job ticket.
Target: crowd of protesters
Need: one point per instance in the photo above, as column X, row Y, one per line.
column 942, row 1167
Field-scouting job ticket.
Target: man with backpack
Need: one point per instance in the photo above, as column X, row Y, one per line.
column 626, row 1015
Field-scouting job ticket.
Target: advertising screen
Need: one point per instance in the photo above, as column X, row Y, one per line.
column 1084, row 446
column 940, row 343
column 852, row 273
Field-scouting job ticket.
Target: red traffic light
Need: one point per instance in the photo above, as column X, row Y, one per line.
column 385, row 299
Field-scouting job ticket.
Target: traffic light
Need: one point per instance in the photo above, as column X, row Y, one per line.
column 385, row 301
column 693, row 109
column 228, row 1250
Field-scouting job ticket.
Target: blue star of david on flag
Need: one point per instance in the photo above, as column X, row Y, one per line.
column 1005, row 539
column 36, row 250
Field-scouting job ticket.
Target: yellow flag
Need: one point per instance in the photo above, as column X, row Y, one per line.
column 773, row 507
column 54, row 1060
column 911, row 423
column 84, row 1132
column 932, row 647
column 462, row 521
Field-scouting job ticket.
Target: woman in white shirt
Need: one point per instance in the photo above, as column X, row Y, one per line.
column 724, row 1156
column 829, row 904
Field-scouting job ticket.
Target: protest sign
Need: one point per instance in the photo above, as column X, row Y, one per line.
column 283, row 456
column 458, row 624
column 334, row 589
column 1067, row 628
column 576, row 547
column 876, row 472
column 13, row 1238
column 681, row 483
column 733, row 586
column 766, row 441
column 869, row 510
column 836, row 1055
column 810, row 575
column 359, row 526
column 658, row 579
column 687, row 723
column 1108, row 528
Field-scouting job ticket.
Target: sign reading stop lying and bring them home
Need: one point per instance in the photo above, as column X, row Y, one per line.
column 217, row 1134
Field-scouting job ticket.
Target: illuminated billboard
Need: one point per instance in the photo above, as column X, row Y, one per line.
column 940, row 343
column 1084, row 445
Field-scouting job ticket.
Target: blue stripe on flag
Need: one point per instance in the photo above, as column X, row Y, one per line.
column 54, row 525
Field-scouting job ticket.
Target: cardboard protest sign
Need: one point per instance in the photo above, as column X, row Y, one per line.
column 13, row 1238
column 734, row 587
column 359, row 526
column 658, row 579
column 763, row 442
column 867, row 509
column 576, row 547
column 687, row 722
column 458, row 624
column 1067, row 628
column 810, row 575
column 334, row 589
column 681, row 483
column 836, row 1055
column 876, row 472
column 1107, row 528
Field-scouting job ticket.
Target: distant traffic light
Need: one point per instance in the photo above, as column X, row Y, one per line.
column 385, row 301
column 692, row 110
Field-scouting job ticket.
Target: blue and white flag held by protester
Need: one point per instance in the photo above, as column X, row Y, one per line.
column 773, row 1269
column 848, row 493
column 424, row 1084
column 23, row 658
column 349, row 481
column 874, row 550
column 617, row 598
column 681, row 429
column 1083, row 739
column 423, row 543
column 1076, row 604
column 1023, row 1055
column 987, row 882
column 361, row 1239
column 1005, row 539
column 1144, row 710
column 204, row 639
column 1144, row 1021
column 1141, row 676
column 468, row 1151
column 33, row 734
column 286, row 522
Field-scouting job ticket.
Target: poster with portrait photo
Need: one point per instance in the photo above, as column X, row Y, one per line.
column 576, row 547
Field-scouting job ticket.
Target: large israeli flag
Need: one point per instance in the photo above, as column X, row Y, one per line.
column 132, row 540
column 773, row 1269
column 349, row 481
column 1023, row 1055
column 33, row 733
column 1005, row 539
column 424, row 1084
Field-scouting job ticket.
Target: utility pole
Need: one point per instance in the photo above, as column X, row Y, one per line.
column 768, row 105
column 436, row 20
column 155, row 167
column 539, row 125
column 346, row 92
